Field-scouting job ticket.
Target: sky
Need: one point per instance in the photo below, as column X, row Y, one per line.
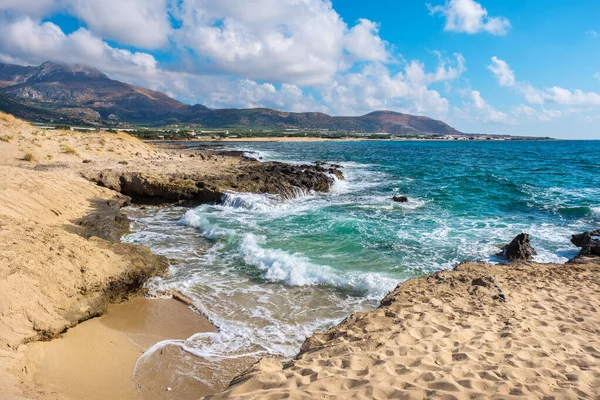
column 490, row 66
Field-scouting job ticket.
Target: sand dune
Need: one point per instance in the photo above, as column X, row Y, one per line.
column 451, row 336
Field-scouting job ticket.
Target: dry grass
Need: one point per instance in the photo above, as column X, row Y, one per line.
column 6, row 138
column 68, row 149
column 28, row 157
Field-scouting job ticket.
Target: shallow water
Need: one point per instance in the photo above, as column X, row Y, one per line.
column 268, row 272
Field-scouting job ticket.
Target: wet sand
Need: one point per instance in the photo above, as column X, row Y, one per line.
column 96, row 359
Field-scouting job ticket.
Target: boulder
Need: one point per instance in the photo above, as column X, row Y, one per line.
column 400, row 199
column 589, row 242
column 519, row 249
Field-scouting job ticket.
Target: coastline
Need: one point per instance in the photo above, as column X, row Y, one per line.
column 61, row 260
column 450, row 335
column 287, row 139
column 447, row 333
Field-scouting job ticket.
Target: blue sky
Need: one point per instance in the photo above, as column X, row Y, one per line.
column 482, row 66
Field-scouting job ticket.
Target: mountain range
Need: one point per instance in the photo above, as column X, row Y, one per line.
column 81, row 95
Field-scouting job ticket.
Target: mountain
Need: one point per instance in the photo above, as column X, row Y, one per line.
column 79, row 94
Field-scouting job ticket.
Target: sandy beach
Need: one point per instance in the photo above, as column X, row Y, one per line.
column 450, row 336
column 95, row 359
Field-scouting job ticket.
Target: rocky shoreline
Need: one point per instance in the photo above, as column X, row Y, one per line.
column 62, row 261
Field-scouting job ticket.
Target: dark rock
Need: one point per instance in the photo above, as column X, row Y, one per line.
column 288, row 181
column 519, row 249
column 584, row 238
column 589, row 242
column 400, row 199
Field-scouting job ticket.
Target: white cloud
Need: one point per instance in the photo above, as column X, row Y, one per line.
column 468, row 16
column 543, row 114
column 533, row 95
column 363, row 42
column 299, row 42
column 32, row 43
column 374, row 87
column 479, row 109
column 502, row 71
column 140, row 23
column 593, row 33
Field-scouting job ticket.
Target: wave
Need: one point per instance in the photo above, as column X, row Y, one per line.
column 252, row 201
column 581, row 211
column 210, row 231
column 297, row 270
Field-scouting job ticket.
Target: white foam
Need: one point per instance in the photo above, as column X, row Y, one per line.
column 192, row 219
column 297, row 270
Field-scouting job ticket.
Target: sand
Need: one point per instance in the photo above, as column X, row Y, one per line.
column 96, row 359
column 51, row 275
column 450, row 336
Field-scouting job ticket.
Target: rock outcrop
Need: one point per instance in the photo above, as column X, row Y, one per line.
column 285, row 180
column 519, row 249
column 589, row 242
column 400, row 199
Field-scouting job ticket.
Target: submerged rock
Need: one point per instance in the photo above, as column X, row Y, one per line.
column 400, row 199
column 519, row 249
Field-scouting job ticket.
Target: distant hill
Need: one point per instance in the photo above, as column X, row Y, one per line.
column 84, row 95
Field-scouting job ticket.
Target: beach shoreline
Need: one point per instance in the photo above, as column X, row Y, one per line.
column 62, row 263
column 97, row 358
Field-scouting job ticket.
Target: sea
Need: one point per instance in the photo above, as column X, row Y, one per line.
column 269, row 272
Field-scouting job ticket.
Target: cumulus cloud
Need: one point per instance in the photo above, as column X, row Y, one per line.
column 468, row 16
column 374, row 87
column 299, row 42
column 502, row 71
column 32, row 42
column 483, row 111
column 363, row 42
column 140, row 23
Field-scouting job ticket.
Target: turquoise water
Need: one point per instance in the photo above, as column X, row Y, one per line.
column 268, row 272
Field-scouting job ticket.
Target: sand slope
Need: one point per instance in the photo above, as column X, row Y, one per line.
column 450, row 336
column 50, row 277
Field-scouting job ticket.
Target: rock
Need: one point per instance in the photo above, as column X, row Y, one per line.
column 519, row 249
column 589, row 242
column 288, row 181
column 582, row 239
column 400, row 199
